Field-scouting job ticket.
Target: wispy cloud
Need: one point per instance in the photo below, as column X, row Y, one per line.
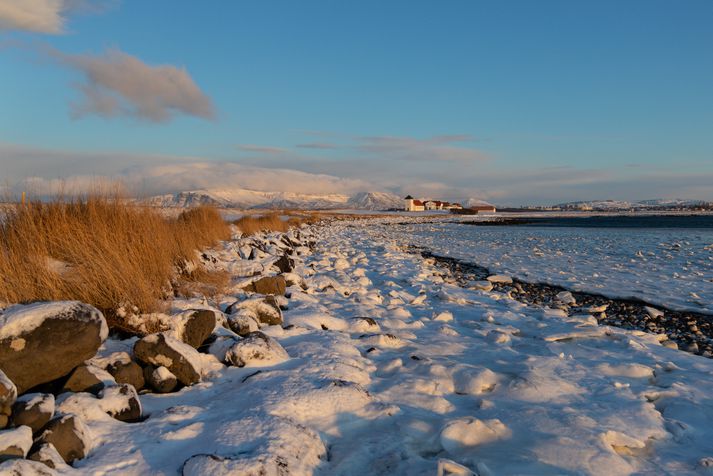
column 44, row 16
column 118, row 84
column 261, row 149
column 437, row 148
column 318, row 145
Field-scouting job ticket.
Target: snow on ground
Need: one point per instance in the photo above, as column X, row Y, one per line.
column 668, row 267
column 437, row 380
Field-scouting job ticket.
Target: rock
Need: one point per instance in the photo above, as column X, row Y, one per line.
column 121, row 402
column 163, row 350
column 42, row 342
column 256, row 349
column 128, row 372
column 15, row 443
column 263, row 310
column 8, row 391
column 285, row 264
column 69, row 435
column 47, row 454
column 160, row 379
column 33, row 410
column 268, row 285
column 482, row 285
column 88, row 378
column 670, row 344
column 653, row 312
column 294, row 279
column 566, row 297
column 243, row 323
column 23, row 467
column 268, row 311
column 194, row 327
column 499, row 278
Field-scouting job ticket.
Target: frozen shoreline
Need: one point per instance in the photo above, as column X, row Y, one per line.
column 393, row 368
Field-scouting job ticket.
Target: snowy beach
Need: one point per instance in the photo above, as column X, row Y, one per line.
column 390, row 367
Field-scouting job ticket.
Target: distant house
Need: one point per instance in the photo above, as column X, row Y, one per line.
column 483, row 208
column 414, row 205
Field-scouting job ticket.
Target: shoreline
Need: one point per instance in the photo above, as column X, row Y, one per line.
column 690, row 331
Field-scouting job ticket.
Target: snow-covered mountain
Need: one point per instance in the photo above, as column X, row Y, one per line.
column 243, row 199
column 375, row 201
column 656, row 204
column 476, row 202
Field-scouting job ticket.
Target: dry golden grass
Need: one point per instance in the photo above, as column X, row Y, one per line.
column 249, row 225
column 101, row 251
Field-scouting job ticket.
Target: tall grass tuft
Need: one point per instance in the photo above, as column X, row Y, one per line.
column 249, row 225
column 100, row 250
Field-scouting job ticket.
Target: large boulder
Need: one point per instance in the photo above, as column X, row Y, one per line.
column 268, row 285
column 163, row 350
column 15, row 443
column 69, row 435
column 256, row 349
column 88, row 378
column 33, row 410
column 42, row 342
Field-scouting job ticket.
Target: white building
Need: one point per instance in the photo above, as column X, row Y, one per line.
column 413, row 205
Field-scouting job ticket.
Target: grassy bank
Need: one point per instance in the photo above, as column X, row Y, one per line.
column 101, row 251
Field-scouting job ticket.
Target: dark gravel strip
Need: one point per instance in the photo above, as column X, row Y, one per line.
column 691, row 331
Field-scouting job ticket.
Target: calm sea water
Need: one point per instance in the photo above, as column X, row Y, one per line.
column 662, row 260
column 619, row 221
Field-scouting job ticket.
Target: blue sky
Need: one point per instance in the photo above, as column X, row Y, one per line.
column 512, row 101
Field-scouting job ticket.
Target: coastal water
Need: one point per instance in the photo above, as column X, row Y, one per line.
column 613, row 221
column 662, row 260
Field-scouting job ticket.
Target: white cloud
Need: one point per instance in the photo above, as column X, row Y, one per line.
column 43, row 171
column 118, row 84
column 43, row 16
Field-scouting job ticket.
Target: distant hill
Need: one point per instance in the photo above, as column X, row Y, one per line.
column 252, row 199
column 618, row 205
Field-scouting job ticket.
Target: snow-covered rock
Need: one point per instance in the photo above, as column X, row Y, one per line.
column 44, row 341
column 88, row 378
column 163, row 350
column 268, row 285
column 256, row 349
column 15, row 443
column 193, row 326
column 33, row 410
column 47, row 454
column 70, row 436
column 160, row 379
